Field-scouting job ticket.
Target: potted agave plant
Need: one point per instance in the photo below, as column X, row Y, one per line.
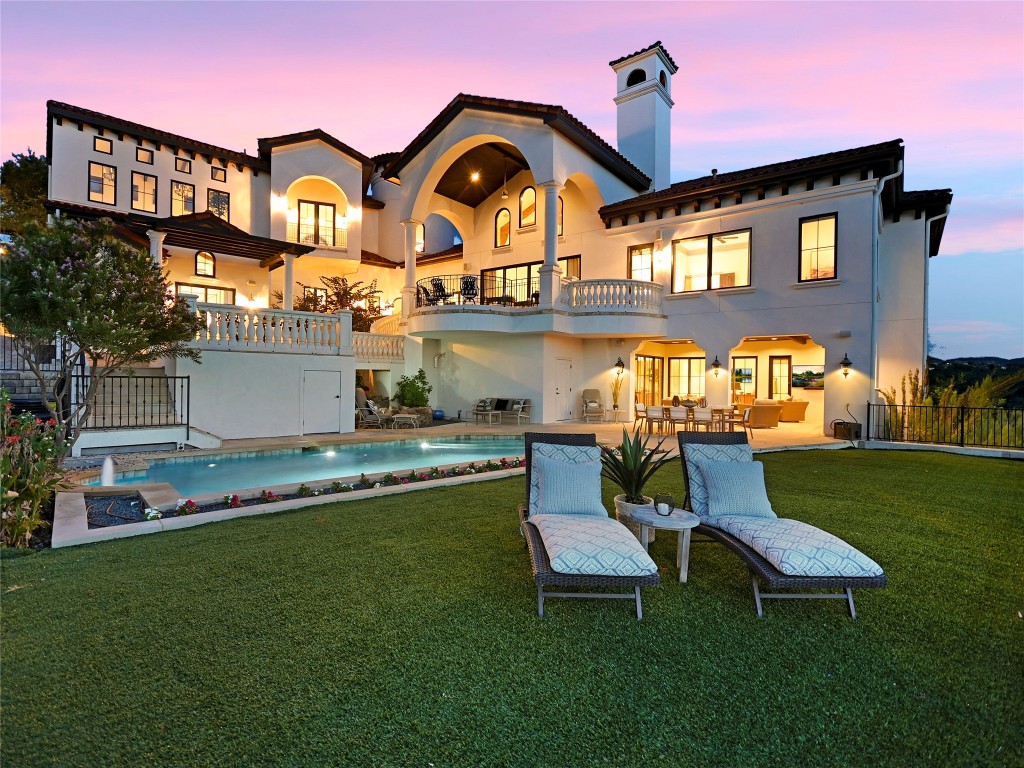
column 630, row 466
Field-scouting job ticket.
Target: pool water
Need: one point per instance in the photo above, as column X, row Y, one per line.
column 214, row 473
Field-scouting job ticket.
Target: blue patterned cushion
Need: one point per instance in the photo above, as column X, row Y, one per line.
column 695, row 480
column 735, row 488
column 799, row 549
column 566, row 480
column 594, row 546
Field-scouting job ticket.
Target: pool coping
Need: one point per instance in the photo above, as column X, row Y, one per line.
column 71, row 526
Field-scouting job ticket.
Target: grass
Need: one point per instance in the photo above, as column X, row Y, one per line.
column 403, row 632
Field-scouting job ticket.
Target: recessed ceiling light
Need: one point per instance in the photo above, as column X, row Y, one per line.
column 475, row 176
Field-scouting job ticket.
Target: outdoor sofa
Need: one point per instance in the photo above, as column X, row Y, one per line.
column 783, row 554
column 493, row 410
column 585, row 582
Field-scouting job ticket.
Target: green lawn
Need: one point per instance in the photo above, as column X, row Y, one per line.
column 403, row 632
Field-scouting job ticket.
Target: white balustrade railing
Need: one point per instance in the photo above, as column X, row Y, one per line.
column 240, row 329
column 378, row 346
column 613, row 296
column 387, row 324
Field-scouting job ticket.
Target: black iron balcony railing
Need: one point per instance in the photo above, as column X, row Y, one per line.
column 474, row 289
column 943, row 425
column 318, row 233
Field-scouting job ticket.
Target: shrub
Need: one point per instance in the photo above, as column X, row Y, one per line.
column 414, row 392
column 29, row 473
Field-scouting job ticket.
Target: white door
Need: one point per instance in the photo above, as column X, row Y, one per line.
column 563, row 389
column 321, row 402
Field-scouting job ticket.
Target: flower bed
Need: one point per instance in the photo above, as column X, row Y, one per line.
column 127, row 509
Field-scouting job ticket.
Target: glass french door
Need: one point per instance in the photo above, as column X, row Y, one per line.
column 780, row 383
column 316, row 223
column 649, row 376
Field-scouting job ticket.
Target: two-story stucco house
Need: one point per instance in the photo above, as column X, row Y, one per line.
column 519, row 254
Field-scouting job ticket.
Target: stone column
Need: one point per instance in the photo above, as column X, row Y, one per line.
column 409, row 248
column 156, row 246
column 550, row 272
column 289, row 281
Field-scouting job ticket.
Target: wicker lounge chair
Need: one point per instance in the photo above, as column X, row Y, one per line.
column 543, row 574
column 760, row 568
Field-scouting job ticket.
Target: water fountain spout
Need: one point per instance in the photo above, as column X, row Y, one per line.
column 107, row 475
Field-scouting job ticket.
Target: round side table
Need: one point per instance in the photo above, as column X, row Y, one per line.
column 681, row 521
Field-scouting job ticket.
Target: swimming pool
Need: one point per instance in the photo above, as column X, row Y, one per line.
column 224, row 473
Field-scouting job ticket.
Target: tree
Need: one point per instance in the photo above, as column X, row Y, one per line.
column 22, row 192
column 104, row 302
column 361, row 301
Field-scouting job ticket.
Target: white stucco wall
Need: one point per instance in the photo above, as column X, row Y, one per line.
column 252, row 394
column 902, row 266
column 72, row 151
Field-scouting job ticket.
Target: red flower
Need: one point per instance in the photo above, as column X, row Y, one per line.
column 13, row 439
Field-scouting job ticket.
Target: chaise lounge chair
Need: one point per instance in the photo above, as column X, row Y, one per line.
column 611, row 545
column 783, row 554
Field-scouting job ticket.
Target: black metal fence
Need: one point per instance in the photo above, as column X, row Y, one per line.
column 50, row 356
column 474, row 289
column 957, row 425
column 125, row 402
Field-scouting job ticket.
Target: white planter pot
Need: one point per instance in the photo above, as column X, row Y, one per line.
column 623, row 513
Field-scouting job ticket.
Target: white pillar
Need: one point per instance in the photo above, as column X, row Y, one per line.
column 550, row 272
column 409, row 246
column 289, row 281
column 156, row 246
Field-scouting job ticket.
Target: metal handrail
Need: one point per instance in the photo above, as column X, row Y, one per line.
column 946, row 425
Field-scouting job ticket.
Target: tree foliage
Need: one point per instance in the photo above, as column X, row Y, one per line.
column 102, row 302
column 22, row 192
column 361, row 300
column 413, row 392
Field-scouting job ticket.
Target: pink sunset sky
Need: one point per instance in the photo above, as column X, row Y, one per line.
column 758, row 83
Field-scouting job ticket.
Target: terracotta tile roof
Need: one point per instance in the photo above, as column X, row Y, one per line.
column 384, row 158
column 268, row 144
column 137, row 130
column 650, row 47
column 885, row 154
column 448, row 254
column 376, row 260
column 555, row 116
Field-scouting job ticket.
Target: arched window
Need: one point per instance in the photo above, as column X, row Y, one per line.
column 206, row 265
column 528, row 207
column 636, row 77
column 421, row 239
column 663, row 80
column 503, row 229
column 561, row 216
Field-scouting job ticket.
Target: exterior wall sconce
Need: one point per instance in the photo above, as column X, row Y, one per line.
column 619, row 366
column 845, row 365
column 716, row 366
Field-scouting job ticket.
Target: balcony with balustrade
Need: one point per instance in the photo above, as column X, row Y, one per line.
column 458, row 303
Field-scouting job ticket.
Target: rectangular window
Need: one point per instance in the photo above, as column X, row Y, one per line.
column 315, row 225
column 143, row 192
column 181, row 165
column 711, row 261
column 686, row 377
column 207, row 294
column 641, row 262
column 102, row 184
column 144, row 155
column 818, row 248
column 106, row 146
column 744, row 378
column 183, row 198
column 780, row 383
column 219, row 174
column 219, row 203
column 314, row 296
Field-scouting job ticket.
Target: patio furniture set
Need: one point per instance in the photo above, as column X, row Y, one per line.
column 371, row 417
column 495, row 411
column 578, row 550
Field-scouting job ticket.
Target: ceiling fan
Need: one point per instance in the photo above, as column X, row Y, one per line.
column 723, row 238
